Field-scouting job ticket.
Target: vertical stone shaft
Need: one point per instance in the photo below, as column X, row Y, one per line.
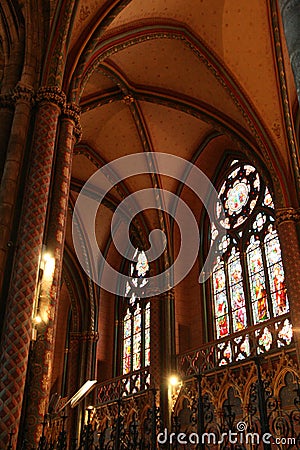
column 286, row 226
column 42, row 356
column 167, row 343
column 15, row 342
column 12, row 168
column 6, row 118
column 155, row 342
column 290, row 13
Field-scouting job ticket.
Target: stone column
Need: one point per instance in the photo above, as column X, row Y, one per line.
column 7, row 106
column 168, row 353
column 17, row 329
column 155, row 341
column 79, row 371
column 42, row 356
column 290, row 13
column 22, row 98
column 286, row 221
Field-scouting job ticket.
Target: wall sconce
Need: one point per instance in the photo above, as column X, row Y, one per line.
column 45, row 279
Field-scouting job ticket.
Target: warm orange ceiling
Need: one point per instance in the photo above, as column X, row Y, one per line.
column 180, row 77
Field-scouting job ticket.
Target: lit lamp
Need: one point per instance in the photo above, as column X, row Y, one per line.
column 175, row 385
column 173, row 380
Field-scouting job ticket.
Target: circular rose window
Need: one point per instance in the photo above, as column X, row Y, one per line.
column 238, row 194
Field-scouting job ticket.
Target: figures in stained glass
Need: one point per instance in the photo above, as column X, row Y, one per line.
column 237, row 291
column 248, row 279
column 280, row 290
column 136, row 322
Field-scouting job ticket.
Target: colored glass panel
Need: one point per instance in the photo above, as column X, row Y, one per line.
column 137, row 321
column 219, row 279
column 266, row 339
column 136, row 324
column 142, row 265
column 268, row 201
column 276, row 274
column 237, row 292
column 127, row 328
column 147, row 316
column 225, row 353
column 127, row 355
column 237, row 197
column 286, row 333
column 249, row 223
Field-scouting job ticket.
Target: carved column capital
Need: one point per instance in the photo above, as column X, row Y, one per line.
column 7, row 100
column 287, row 215
column 72, row 112
column 20, row 92
column 51, row 94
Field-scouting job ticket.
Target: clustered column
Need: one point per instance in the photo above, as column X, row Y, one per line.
column 21, row 98
column 42, row 356
column 286, row 221
column 7, row 106
column 15, row 343
column 167, row 349
column 155, row 342
column 290, row 13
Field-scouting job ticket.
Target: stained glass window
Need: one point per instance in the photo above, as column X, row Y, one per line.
column 248, row 284
column 136, row 317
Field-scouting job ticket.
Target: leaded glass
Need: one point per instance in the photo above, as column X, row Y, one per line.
column 136, row 322
column 286, row 333
column 238, row 195
column 147, row 316
column 248, row 284
column 266, row 339
column 127, row 355
column 268, row 201
column 237, row 291
column 221, row 304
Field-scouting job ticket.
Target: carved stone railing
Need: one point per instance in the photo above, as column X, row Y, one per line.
column 269, row 336
column 134, row 383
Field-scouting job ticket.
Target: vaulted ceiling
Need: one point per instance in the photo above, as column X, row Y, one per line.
column 194, row 79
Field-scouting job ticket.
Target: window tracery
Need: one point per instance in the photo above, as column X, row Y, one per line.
column 248, row 284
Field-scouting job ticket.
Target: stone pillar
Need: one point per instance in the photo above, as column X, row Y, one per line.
column 168, row 353
column 286, row 221
column 22, row 98
column 155, row 341
column 17, row 329
column 290, row 13
column 7, row 105
column 42, row 356
column 79, row 371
